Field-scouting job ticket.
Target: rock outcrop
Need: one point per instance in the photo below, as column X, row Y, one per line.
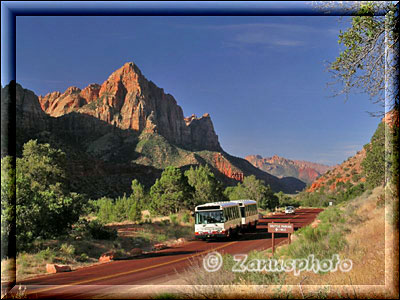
column 391, row 118
column 54, row 268
column 349, row 171
column 29, row 114
column 127, row 100
column 225, row 167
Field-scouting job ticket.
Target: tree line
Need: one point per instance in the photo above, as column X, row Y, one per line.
column 46, row 207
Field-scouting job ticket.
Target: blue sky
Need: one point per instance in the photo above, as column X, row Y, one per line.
column 262, row 79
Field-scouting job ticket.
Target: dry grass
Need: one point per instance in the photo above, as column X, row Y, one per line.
column 370, row 240
column 366, row 247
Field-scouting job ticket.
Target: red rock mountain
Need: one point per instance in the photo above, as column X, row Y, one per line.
column 350, row 171
column 283, row 167
column 126, row 128
column 127, row 100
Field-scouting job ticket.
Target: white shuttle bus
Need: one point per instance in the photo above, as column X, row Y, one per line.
column 248, row 213
column 217, row 220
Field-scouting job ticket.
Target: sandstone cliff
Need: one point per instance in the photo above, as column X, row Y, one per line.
column 127, row 100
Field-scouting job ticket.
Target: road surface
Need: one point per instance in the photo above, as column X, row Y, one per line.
column 155, row 268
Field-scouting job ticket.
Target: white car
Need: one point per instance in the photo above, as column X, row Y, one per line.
column 289, row 210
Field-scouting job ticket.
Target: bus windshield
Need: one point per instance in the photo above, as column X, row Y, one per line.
column 207, row 217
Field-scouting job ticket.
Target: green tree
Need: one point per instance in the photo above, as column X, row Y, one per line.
column 106, row 211
column 7, row 206
column 254, row 189
column 138, row 194
column 206, row 187
column 44, row 208
column 374, row 162
column 43, row 167
column 285, row 200
column 171, row 192
column 369, row 60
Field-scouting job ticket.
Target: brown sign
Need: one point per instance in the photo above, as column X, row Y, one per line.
column 280, row 228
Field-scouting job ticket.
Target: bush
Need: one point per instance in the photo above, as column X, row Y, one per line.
column 174, row 219
column 67, row 249
column 118, row 210
column 186, row 218
column 322, row 241
column 99, row 232
column 356, row 177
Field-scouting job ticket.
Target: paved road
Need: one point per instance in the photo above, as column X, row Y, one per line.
column 157, row 268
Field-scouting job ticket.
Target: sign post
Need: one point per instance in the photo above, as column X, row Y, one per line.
column 273, row 241
column 279, row 228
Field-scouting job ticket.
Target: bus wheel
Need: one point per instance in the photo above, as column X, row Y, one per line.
column 236, row 233
column 229, row 234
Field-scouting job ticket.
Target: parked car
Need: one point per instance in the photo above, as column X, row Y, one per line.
column 289, row 210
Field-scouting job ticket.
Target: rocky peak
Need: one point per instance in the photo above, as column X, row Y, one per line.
column 91, row 92
column 129, row 101
column 72, row 90
column 125, row 78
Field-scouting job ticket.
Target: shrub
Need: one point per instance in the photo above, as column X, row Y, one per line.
column 356, row 177
column 174, row 219
column 67, row 249
column 99, row 232
column 186, row 218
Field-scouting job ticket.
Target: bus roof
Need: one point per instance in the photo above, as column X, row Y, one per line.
column 213, row 205
column 245, row 202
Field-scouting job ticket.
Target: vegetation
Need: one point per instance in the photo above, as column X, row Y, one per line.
column 323, row 240
column 171, row 192
column 369, row 60
column 254, row 189
column 374, row 162
column 123, row 208
column 44, row 206
column 337, row 230
column 285, row 200
column 206, row 187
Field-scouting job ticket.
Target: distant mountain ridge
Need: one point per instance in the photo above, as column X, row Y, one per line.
column 283, row 167
column 126, row 128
